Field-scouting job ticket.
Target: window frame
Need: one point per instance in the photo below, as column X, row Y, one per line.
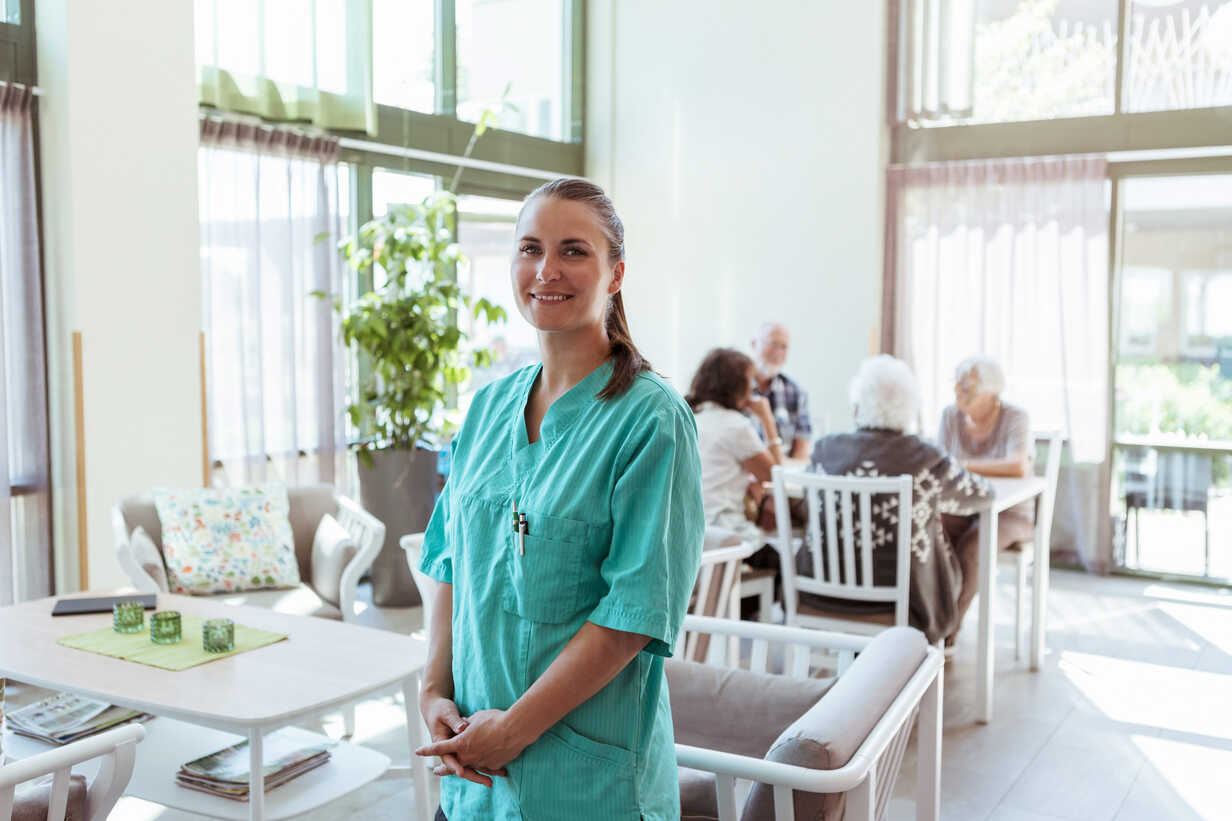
column 18, row 54
column 1119, row 131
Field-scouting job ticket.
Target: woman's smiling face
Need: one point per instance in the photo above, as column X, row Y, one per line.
column 562, row 271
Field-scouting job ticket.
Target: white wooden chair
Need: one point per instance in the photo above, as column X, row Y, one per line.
column 1022, row 551
column 718, row 589
column 116, row 748
column 895, row 680
column 841, row 551
column 412, row 543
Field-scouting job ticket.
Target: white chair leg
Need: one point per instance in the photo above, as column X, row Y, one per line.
column 348, row 721
column 1020, row 602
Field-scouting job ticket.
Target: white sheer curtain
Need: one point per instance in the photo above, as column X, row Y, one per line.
column 25, row 530
column 272, row 206
column 1009, row 258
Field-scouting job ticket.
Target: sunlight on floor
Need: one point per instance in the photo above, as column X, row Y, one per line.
column 1195, row 773
column 1152, row 696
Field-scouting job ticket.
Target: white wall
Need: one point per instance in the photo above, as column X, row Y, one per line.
column 119, row 156
column 743, row 145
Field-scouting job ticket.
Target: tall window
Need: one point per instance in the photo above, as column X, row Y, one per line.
column 486, row 236
column 493, row 58
column 25, row 530
column 273, row 206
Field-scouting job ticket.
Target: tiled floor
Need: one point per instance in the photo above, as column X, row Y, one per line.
column 1130, row 719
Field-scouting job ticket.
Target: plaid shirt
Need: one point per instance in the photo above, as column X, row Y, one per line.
column 789, row 402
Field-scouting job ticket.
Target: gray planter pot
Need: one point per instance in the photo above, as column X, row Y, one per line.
column 398, row 490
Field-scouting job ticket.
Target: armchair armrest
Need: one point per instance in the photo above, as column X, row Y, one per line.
column 369, row 534
column 141, row 580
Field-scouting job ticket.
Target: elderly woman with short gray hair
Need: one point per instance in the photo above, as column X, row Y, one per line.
column 886, row 403
column 992, row 438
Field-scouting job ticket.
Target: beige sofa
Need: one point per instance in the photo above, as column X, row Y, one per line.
column 316, row 594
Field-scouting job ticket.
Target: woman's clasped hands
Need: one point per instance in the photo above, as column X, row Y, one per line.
column 473, row 748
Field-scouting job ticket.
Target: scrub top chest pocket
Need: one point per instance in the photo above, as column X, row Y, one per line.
column 546, row 561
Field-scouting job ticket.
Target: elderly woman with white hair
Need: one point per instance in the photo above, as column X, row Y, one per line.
column 886, row 404
column 991, row 438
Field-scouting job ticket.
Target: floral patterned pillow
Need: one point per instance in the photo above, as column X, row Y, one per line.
column 222, row 540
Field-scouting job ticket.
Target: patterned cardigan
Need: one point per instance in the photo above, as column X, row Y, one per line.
column 940, row 485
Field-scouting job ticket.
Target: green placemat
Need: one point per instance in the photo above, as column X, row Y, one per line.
column 188, row 653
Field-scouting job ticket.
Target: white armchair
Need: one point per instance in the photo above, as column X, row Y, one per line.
column 801, row 747
column 68, row 796
column 308, row 505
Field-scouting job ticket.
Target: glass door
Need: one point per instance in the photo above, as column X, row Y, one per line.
column 1172, row 441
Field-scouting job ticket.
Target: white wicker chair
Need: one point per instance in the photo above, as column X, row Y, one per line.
column 867, row 778
column 116, row 749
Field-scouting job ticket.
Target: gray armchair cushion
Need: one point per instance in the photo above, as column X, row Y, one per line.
column 296, row 601
column 698, row 799
column 148, row 556
column 308, row 504
column 31, row 803
column 736, row 711
column 828, row 735
column 139, row 511
column 332, row 550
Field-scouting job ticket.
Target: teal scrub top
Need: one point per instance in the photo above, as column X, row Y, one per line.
column 613, row 502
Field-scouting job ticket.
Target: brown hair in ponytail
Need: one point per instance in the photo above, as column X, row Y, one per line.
column 627, row 361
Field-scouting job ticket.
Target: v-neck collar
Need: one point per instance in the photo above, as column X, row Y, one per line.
column 564, row 410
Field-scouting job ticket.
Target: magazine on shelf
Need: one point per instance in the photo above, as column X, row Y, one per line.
column 64, row 717
column 286, row 754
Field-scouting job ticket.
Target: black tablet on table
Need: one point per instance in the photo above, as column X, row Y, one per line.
column 100, row 604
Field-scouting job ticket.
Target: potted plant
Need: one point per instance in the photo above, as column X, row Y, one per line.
column 412, row 355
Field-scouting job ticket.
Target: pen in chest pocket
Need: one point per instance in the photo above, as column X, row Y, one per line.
column 520, row 528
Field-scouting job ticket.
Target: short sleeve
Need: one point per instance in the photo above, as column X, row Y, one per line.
column 1017, row 433
column 804, row 426
column 437, row 558
column 657, row 531
column 739, row 437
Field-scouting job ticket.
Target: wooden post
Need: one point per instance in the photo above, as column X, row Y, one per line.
column 79, row 426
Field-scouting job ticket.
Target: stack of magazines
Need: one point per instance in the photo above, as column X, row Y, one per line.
column 287, row 753
column 65, row 717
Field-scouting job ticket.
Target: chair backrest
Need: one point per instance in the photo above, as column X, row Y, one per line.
column 1053, row 441
column 413, row 545
column 115, row 747
column 841, row 551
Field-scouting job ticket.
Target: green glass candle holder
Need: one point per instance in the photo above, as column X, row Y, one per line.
column 165, row 627
column 218, row 635
column 128, row 616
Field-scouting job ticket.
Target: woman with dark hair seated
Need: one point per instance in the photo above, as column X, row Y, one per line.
column 732, row 454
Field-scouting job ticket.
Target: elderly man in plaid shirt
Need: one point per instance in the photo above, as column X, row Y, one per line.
column 787, row 399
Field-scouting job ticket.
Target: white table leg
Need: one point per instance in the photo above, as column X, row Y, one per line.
column 256, row 776
column 1039, row 602
column 988, row 583
column 425, row 801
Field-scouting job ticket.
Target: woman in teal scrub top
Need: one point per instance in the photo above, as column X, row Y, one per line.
column 566, row 541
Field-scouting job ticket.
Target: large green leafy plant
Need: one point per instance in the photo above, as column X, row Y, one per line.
column 405, row 332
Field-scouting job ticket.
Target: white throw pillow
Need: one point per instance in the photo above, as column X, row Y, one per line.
column 332, row 550
column 148, row 556
column 222, row 540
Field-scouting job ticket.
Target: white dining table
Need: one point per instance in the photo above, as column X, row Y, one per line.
column 1006, row 494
